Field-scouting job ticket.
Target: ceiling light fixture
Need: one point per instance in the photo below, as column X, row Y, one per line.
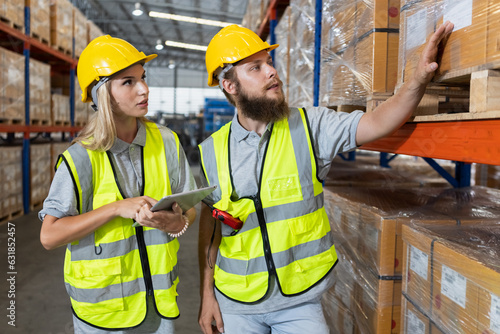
column 188, row 19
column 171, row 64
column 159, row 46
column 186, row 45
column 137, row 11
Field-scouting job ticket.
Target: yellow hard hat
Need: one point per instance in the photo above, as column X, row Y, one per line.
column 232, row 44
column 103, row 57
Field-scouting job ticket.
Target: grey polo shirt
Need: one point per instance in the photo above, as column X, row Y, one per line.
column 332, row 133
column 61, row 200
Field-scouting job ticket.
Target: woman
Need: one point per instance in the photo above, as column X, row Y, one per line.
column 118, row 276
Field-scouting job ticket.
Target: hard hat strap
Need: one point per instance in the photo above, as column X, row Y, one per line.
column 93, row 92
column 223, row 73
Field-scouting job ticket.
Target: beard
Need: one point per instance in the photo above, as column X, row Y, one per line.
column 262, row 108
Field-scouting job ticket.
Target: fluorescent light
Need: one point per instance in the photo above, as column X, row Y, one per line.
column 137, row 11
column 186, row 46
column 159, row 46
column 188, row 19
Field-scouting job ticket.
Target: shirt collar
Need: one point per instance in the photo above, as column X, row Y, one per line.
column 140, row 140
column 240, row 133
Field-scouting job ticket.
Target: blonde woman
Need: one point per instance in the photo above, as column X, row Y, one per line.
column 119, row 277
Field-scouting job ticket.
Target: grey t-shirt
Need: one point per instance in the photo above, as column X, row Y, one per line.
column 332, row 133
column 61, row 200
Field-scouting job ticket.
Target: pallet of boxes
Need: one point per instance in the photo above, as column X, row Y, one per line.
column 368, row 225
column 466, row 84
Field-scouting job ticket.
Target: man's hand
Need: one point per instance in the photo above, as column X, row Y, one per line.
column 210, row 312
column 427, row 64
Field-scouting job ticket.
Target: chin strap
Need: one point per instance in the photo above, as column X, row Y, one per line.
column 222, row 74
column 93, row 92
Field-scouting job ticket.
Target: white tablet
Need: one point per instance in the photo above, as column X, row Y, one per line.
column 185, row 200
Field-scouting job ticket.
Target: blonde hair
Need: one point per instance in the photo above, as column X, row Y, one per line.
column 100, row 132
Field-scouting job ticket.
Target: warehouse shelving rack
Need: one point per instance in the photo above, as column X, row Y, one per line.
column 465, row 142
column 32, row 48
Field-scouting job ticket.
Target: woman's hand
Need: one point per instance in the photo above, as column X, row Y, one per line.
column 165, row 220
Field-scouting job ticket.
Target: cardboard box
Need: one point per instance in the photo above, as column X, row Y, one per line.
column 61, row 25
column 413, row 321
column 40, row 159
column 40, row 97
column 12, row 87
column 40, row 15
column 11, row 184
column 79, row 31
column 369, row 220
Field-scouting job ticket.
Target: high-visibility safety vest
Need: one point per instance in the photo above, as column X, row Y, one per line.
column 286, row 232
column 109, row 273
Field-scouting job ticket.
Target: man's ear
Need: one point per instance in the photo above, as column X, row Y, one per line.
column 229, row 86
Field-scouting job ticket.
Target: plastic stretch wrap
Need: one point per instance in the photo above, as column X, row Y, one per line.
column 405, row 171
column 40, row 159
column 359, row 50
column 472, row 46
column 255, row 14
column 11, row 181
column 61, row 25
column 60, row 109
column 12, row 12
column 79, row 31
column 369, row 220
column 39, row 93
column 296, row 39
column 12, row 105
column 282, row 53
column 40, row 15
column 93, row 31
column 373, row 302
column 487, row 175
column 452, row 278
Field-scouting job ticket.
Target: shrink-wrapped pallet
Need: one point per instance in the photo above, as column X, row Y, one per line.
column 12, row 104
column 40, row 160
column 359, row 51
column 12, row 13
column 60, row 109
column 39, row 93
column 452, row 277
column 11, row 182
column 369, row 220
column 255, row 13
column 282, row 53
column 79, row 31
column 40, row 15
column 93, row 31
column 61, row 25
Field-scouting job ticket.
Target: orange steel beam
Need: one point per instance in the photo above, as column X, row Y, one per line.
column 467, row 141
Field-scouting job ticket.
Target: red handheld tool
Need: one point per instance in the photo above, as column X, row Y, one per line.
column 225, row 218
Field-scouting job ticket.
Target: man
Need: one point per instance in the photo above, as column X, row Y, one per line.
column 269, row 163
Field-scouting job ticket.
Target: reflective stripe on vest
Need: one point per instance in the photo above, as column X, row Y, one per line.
column 107, row 273
column 286, row 230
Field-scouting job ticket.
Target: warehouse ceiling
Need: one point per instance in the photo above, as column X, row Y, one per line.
column 115, row 18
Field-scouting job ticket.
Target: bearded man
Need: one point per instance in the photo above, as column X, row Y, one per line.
column 269, row 163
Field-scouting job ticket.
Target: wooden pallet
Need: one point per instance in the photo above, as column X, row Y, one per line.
column 12, row 24
column 479, row 98
column 40, row 122
column 62, row 50
column 11, row 121
column 39, row 38
column 11, row 216
column 62, row 123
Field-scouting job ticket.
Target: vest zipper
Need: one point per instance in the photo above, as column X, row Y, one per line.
column 265, row 237
column 143, row 253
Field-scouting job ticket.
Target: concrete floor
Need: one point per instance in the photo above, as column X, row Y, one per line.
column 42, row 305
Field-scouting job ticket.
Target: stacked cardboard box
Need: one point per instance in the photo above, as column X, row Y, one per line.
column 93, row 31
column 255, row 13
column 296, row 39
column 360, row 49
column 61, row 25
column 282, row 53
column 56, row 148
column 452, row 275
column 11, row 184
column 367, row 224
column 40, row 15
column 39, row 93
column 12, row 104
column 60, row 109
column 487, row 175
column 79, row 31
column 40, row 159
column 12, row 12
